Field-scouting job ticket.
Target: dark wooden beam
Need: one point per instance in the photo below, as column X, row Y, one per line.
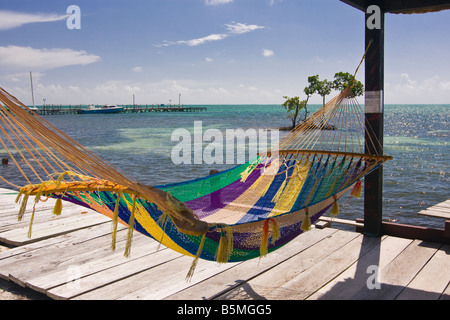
column 415, row 6
column 412, row 232
column 374, row 93
column 358, row 4
column 374, row 105
column 404, row 6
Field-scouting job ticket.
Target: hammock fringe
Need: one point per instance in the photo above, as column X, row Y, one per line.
column 264, row 249
column 225, row 244
column 335, row 207
column 306, row 224
column 190, row 273
column 115, row 222
column 356, row 192
column 57, row 209
column 130, row 228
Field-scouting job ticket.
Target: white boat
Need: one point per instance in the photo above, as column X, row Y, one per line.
column 104, row 109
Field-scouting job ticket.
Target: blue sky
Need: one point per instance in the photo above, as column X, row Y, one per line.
column 210, row 51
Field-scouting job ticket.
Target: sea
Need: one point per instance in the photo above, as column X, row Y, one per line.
column 141, row 146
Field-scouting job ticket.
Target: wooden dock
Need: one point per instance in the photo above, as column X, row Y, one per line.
column 69, row 257
column 60, row 110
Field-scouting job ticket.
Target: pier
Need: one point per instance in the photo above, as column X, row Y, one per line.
column 68, row 257
column 61, row 110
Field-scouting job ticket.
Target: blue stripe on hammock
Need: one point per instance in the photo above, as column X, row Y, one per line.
column 317, row 171
column 263, row 207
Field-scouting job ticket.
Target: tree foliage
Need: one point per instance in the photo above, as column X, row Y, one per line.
column 293, row 106
column 342, row 81
column 323, row 88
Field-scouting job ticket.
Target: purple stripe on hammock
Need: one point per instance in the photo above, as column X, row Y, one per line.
column 211, row 203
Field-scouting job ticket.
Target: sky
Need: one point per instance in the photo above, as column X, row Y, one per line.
column 209, row 51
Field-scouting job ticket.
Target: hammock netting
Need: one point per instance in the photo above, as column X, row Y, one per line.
column 235, row 215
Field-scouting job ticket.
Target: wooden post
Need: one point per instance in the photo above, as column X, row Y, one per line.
column 374, row 104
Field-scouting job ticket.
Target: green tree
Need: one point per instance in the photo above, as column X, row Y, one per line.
column 324, row 88
column 293, row 106
column 343, row 79
column 310, row 90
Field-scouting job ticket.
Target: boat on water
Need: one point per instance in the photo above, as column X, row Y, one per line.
column 104, row 109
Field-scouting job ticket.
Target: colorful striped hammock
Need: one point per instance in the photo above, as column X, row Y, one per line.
column 235, row 215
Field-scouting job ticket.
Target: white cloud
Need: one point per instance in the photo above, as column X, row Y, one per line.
column 404, row 88
column 233, row 29
column 138, row 69
column 267, row 53
column 407, row 82
column 195, row 42
column 208, row 59
column 16, row 57
column 157, row 92
column 11, row 20
column 241, row 28
column 217, row 2
column 21, row 77
column 199, row 41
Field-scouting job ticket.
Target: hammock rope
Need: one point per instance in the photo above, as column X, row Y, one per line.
column 234, row 215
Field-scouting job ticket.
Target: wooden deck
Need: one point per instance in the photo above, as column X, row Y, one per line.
column 440, row 210
column 69, row 257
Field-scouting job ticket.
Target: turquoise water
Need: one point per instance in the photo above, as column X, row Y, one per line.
column 417, row 136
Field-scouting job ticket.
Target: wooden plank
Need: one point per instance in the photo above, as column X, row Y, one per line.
column 332, row 220
column 348, row 283
column 41, row 220
column 233, row 277
column 400, row 272
column 9, row 217
column 122, row 268
column 90, row 258
column 63, row 240
column 438, row 209
column 442, row 205
column 18, row 237
column 45, row 225
column 39, row 256
column 432, row 279
column 157, row 282
column 51, row 258
column 272, row 284
column 308, row 282
column 445, row 204
column 177, row 281
column 93, row 262
column 9, row 212
column 435, row 213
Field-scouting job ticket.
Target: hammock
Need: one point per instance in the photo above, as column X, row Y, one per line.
column 235, row 215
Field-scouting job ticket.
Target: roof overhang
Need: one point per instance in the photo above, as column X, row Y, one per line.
column 404, row 6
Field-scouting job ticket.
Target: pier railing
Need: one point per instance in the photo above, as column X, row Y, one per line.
column 59, row 109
